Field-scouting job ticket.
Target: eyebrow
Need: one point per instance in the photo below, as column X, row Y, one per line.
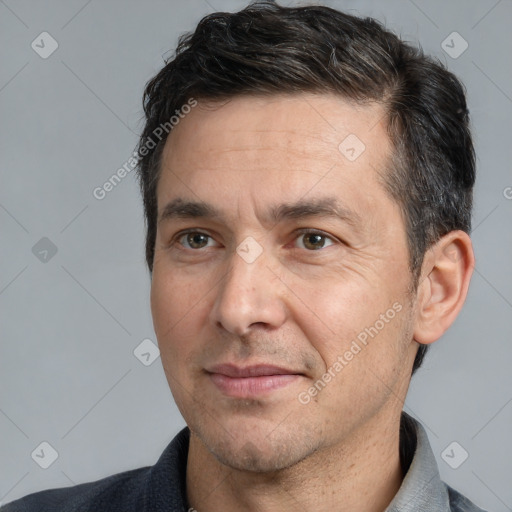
column 180, row 208
column 184, row 209
column 320, row 207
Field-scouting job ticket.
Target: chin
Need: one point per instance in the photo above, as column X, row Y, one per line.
column 257, row 459
column 259, row 450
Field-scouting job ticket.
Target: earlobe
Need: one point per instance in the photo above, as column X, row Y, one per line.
column 443, row 286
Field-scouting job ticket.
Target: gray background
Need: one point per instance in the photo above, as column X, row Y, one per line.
column 70, row 324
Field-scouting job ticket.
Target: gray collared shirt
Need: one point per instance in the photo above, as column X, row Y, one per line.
column 422, row 489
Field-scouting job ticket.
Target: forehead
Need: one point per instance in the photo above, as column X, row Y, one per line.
column 287, row 146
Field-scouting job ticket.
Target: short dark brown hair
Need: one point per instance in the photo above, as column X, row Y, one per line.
column 269, row 49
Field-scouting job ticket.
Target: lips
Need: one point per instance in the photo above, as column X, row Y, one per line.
column 231, row 370
column 244, row 382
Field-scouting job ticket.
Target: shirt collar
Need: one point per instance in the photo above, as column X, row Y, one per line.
column 422, row 488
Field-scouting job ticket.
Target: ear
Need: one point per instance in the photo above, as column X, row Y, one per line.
column 443, row 285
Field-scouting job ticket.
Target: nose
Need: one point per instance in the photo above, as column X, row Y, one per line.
column 249, row 296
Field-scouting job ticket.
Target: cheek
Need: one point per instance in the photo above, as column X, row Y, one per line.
column 177, row 308
column 362, row 354
column 333, row 311
column 339, row 314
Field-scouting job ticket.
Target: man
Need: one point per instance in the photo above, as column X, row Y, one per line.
column 307, row 181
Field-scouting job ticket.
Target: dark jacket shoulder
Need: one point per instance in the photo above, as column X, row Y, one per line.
column 459, row 503
column 148, row 489
column 121, row 489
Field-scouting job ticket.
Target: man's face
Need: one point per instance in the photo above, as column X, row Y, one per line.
column 281, row 287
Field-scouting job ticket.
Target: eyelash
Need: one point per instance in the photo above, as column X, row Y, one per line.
column 298, row 233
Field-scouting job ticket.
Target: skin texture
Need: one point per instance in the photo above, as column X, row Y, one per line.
column 298, row 305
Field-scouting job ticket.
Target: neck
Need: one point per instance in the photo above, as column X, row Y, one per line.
column 361, row 473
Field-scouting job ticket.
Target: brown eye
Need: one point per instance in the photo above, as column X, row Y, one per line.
column 314, row 241
column 195, row 240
